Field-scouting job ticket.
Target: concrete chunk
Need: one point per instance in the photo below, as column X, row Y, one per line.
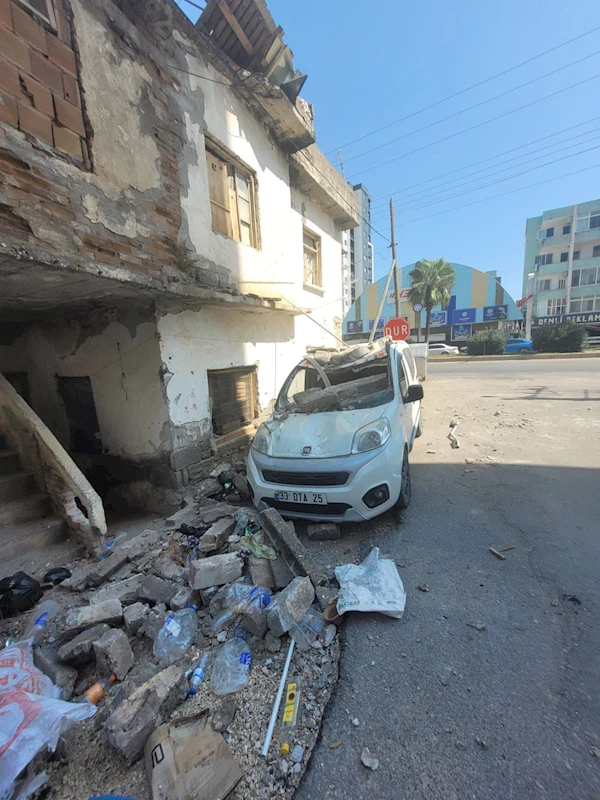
column 113, row 654
column 215, row 511
column 184, row 596
column 79, row 619
column 141, row 544
column 62, row 676
column 241, row 484
column 132, row 722
column 169, row 570
column 255, row 621
column 101, row 571
column 261, row 572
column 125, row 591
column 216, row 536
column 282, row 536
column 209, row 487
column 215, row 571
column 156, row 590
column 134, row 617
column 323, row 532
column 290, row 605
column 80, row 650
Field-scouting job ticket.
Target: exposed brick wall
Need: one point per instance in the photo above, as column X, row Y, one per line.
column 39, row 90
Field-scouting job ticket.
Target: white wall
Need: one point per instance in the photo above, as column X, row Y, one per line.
column 124, row 374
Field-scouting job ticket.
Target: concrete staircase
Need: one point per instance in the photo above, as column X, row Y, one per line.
column 20, row 499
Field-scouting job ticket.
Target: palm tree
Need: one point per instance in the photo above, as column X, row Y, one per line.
column 432, row 282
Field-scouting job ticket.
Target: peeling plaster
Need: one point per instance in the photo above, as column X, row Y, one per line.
column 127, row 225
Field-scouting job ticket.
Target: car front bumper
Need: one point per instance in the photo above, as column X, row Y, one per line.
column 344, row 502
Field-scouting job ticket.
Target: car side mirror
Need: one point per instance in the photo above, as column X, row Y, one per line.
column 414, row 393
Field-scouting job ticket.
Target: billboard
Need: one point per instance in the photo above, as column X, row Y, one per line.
column 380, row 324
column 355, row 326
column 437, row 318
column 391, row 296
column 492, row 313
column 460, row 333
column 463, row 315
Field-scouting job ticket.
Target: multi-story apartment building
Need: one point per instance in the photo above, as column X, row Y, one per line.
column 167, row 223
column 357, row 252
column 562, row 252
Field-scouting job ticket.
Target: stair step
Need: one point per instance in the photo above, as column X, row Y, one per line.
column 14, row 485
column 26, row 539
column 9, row 461
column 34, row 506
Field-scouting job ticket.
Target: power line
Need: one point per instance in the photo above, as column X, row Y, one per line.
column 501, row 180
column 460, row 185
column 384, row 198
column 502, row 194
column 467, row 89
column 479, row 124
column 470, row 108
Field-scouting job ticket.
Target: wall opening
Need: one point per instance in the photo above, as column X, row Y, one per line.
column 233, row 398
column 78, row 399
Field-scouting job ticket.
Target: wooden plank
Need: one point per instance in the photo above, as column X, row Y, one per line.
column 219, row 195
column 236, row 27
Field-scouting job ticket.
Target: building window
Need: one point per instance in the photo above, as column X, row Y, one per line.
column 556, row 305
column 576, row 255
column 313, row 275
column 596, row 251
column 232, row 191
column 544, row 286
column 545, row 233
column 564, row 257
column 586, row 222
column 42, row 9
column 233, row 398
column 541, row 261
column 562, row 284
column 589, row 276
column 582, row 304
column 566, row 229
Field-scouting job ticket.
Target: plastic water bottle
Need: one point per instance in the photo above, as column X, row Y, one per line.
column 238, row 598
column 42, row 614
column 231, row 669
column 176, row 635
column 110, row 546
column 198, row 674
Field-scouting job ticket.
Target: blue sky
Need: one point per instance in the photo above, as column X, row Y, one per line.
column 370, row 64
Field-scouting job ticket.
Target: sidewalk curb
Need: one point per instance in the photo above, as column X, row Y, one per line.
column 515, row 357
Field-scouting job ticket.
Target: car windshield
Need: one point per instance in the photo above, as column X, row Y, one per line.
column 365, row 385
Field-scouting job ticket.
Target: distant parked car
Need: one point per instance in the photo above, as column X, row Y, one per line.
column 518, row 346
column 442, row 349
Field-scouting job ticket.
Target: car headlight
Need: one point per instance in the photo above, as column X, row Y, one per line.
column 371, row 436
column 262, row 440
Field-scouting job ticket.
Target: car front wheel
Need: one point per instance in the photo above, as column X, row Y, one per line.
column 406, row 490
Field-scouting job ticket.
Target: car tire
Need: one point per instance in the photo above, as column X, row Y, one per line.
column 524, row 350
column 406, row 488
column 444, row 353
column 419, row 427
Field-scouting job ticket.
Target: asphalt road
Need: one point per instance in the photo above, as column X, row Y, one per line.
column 511, row 711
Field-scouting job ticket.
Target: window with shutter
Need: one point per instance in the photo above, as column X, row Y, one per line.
column 232, row 200
column 233, row 394
column 312, row 259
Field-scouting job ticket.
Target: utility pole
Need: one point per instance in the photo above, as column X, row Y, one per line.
column 394, row 262
column 341, row 157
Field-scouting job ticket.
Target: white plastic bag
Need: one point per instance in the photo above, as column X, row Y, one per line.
column 32, row 718
column 374, row 585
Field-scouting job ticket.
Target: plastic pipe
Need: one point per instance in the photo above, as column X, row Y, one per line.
column 277, row 703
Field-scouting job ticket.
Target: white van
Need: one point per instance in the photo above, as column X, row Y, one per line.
column 336, row 447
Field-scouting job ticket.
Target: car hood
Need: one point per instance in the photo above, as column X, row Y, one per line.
column 327, row 433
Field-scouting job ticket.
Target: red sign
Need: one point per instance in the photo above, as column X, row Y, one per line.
column 398, row 328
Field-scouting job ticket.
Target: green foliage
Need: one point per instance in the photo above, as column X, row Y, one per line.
column 486, row 343
column 432, row 282
column 184, row 257
column 565, row 338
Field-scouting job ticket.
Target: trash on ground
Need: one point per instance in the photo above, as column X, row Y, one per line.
column 18, row 593
column 231, row 668
column 186, row 760
column 374, row 585
column 289, row 719
column 423, row 587
column 507, row 548
column 497, row 554
column 335, row 745
column 368, row 759
column 454, row 443
column 57, row 575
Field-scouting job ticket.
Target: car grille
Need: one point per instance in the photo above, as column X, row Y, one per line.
column 305, row 478
column 331, row 509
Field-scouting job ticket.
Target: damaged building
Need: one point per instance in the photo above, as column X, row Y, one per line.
column 169, row 235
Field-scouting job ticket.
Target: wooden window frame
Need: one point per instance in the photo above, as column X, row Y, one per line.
column 317, row 251
column 226, row 427
column 47, row 19
column 228, row 200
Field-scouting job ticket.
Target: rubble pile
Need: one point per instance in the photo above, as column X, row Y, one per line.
column 154, row 622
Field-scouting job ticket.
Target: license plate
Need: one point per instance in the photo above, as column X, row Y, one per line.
column 312, row 498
